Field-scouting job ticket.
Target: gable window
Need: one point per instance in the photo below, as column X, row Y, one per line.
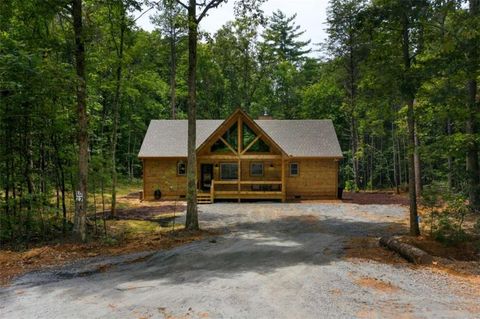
column 181, row 168
column 249, row 137
column 256, row 169
column 259, row 147
column 219, row 147
column 230, row 137
column 294, row 169
column 228, row 171
column 249, row 140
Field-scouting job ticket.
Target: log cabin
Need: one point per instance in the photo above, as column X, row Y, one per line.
column 243, row 159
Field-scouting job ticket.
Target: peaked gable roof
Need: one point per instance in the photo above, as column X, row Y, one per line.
column 297, row 138
column 246, row 119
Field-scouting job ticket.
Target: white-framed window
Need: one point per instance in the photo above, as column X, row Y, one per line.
column 228, row 171
column 256, row 169
column 181, row 168
column 294, row 169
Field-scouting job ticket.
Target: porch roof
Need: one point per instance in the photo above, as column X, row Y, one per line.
column 298, row 138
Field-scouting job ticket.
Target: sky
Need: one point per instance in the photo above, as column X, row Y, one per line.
column 311, row 16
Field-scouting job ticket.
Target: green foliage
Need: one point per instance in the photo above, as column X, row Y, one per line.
column 282, row 37
column 446, row 213
column 360, row 82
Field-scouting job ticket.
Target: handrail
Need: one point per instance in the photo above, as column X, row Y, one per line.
column 248, row 182
column 235, row 182
column 261, row 182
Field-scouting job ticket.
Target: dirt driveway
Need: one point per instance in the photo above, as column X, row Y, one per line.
column 274, row 261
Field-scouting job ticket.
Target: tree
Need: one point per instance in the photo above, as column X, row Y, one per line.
column 191, row 222
column 406, row 24
column 471, row 126
column 172, row 22
column 204, row 7
column 81, row 89
column 284, row 53
column 117, row 16
column 347, row 41
column 282, row 36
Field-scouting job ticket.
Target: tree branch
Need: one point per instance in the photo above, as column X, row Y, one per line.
column 212, row 4
column 182, row 4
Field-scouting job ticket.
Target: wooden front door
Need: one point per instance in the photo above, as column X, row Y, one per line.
column 206, row 176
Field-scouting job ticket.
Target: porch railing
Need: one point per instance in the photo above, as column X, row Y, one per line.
column 260, row 188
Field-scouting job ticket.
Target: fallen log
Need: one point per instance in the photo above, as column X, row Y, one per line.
column 409, row 252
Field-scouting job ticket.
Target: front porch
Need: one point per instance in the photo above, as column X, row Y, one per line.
column 241, row 179
column 240, row 161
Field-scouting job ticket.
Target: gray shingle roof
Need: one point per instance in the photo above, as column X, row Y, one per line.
column 299, row 138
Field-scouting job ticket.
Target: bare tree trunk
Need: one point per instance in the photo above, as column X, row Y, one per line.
column 418, row 172
column 354, row 145
column 450, row 159
column 28, row 176
column 173, row 73
column 64, row 205
column 395, row 166
column 414, row 227
column 116, row 111
column 81, row 194
column 61, row 182
column 191, row 222
column 472, row 149
column 473, row 171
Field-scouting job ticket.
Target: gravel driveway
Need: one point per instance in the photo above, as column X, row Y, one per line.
column 275, row 261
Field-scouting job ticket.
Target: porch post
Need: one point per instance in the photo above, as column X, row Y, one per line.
column 239, row 177
column 239, row 149
column 284, row 190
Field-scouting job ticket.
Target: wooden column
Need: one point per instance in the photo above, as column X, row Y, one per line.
column 143, row 176
column 239, row 150
column 239, row 177
column 284, row 188
column 336, row 179
column 239, row 135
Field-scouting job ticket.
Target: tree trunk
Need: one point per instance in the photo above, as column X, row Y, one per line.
column 409, row 252
column 116, row 111
column 473, row 172
column 28, row 176
column 450, row 159
column 81, row 194
column 395, row 166
column 472, row 149
column 61, row 182
column 191, row 222
column 418, row 172
column 414, row 228
column 354, row 145
column 410, row 100
column 173, row 73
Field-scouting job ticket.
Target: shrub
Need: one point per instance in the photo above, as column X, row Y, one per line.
column 450, row 226
column 446, row 213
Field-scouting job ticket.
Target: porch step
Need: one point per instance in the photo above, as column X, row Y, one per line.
column 204, row 198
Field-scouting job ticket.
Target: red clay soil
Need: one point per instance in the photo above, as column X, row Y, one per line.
column 375, row 198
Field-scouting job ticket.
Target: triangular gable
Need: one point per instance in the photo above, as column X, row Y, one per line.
column 229, row 122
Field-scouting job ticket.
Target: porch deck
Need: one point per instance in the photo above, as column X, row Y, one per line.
column 243, row 190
